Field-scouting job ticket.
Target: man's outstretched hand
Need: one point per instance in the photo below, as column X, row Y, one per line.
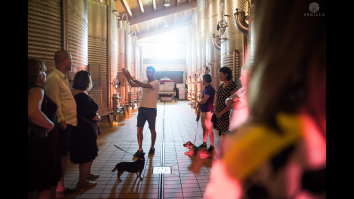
column 126, row 73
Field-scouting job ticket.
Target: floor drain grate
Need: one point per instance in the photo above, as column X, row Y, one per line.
column 162, row 170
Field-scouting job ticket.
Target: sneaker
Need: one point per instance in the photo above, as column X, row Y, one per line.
column 211, row 148
column 202, row 146
column 152, row 151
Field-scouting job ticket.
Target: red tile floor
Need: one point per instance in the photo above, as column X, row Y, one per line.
column 189, row 177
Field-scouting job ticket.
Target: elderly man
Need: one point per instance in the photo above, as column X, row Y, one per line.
column 57, row 88
column 147, row 110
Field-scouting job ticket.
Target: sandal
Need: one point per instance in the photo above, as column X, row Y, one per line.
column 89, row 184
column 92, row 176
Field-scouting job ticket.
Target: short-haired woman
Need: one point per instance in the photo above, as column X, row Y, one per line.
column 84, row 147
column 226, row 89
column 206, row 108
column 44, row 166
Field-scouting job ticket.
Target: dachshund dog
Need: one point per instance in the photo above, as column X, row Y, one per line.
column 131, row 167
column 194, row 150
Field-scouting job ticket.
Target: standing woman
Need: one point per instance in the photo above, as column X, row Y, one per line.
column 84, row 147
column 44, row 165
column 226, row 89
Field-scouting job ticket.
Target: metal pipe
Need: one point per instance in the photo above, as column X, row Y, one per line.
column 125, row 15
column 216, row 42
column 239, row 19
column 109, row 38
column 132, row 33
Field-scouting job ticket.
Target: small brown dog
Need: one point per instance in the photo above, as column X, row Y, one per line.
column 194, row 150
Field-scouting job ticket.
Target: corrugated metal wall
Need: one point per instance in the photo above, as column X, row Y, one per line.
column 128, row 52
column 113, row 51
column 234, row 39
column 68, row 25
column 133, row 60
column 97, row 49
column 201, row 10
column 121, row 56
column 44, row 30
column 77, row 34
column 213, row 55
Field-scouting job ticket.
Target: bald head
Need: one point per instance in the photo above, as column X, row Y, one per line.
column 59, row 56
column 63, row 61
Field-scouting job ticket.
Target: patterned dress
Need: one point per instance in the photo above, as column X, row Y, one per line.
column 222, row 94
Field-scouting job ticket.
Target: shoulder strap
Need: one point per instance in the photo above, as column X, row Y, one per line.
column 29, row 88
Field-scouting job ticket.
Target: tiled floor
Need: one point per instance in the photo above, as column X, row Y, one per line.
column 189, row 177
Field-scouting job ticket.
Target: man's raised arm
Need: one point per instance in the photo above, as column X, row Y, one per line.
column 133, row 82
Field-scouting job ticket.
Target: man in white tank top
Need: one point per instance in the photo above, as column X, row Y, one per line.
column 147, row 110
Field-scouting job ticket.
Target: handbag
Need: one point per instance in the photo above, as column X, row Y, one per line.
column 37, row 134
column 214, row 120
column 93, row 125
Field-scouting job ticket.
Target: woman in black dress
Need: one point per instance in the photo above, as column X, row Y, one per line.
column 84, row 147
column 226, row 89
column 44, row 166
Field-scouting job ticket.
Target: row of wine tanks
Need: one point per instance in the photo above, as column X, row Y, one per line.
column 205, row 54
column 98, row 41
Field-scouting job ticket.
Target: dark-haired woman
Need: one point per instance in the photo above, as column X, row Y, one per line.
column 44, row 165
column 226, row 89
column 84, row 147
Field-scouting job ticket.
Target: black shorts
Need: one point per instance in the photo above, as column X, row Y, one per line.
column 65, row 139
column 148, row 114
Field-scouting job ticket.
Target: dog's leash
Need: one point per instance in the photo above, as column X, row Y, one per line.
column 119, row 147
column 122, row 149
column 196, row 130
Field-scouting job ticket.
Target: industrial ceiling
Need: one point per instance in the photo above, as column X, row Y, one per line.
column 150, row 17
